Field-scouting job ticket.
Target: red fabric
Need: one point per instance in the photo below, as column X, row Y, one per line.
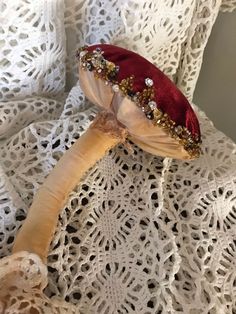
column 167, row 96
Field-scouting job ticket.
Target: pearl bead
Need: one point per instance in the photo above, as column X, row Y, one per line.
column 115, row 88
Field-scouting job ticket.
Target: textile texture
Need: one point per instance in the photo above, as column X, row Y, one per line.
column 32, row 54
column 141, row 233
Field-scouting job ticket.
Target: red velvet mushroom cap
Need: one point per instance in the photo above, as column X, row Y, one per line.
column 157, row 115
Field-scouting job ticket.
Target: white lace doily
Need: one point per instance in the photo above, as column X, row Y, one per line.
column 140, row 234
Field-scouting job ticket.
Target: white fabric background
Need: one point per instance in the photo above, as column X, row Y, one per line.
column 140, row 234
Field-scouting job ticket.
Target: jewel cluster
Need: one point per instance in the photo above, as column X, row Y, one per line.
column 107, row 71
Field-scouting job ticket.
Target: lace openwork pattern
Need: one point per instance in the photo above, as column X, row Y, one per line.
column 23, row 278
column 32, row 50
column 228, row 5
column 140, row 234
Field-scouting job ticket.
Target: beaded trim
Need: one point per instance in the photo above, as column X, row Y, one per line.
column 108, row 72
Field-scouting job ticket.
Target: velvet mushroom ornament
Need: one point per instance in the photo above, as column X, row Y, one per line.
column 155, row 114
column 138, row 102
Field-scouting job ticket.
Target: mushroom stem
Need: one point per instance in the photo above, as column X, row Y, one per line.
column 38, row 229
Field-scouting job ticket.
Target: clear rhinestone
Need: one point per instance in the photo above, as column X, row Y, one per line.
column 82, row 53
column 178, row 129
column 188, row 132
column 148, row 82
column 106, row 83
column 143, row 109
column 115, row 88
column 152, row 104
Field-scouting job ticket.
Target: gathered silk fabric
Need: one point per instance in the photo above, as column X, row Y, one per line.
column 143, row 133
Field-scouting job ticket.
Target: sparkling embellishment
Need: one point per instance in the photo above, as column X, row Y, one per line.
column 90, row 66
column 148, row 82
column 150, row 116
column 152, row 104
column 178, row 129
column 145, row 99
column 135, row 98
column 115, row 88
column 103, row 62
column 112, row 75
column 157, row 114
column 82, row 53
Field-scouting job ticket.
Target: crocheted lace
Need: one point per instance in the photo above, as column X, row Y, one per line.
column 140, row 234
column 32, row 50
